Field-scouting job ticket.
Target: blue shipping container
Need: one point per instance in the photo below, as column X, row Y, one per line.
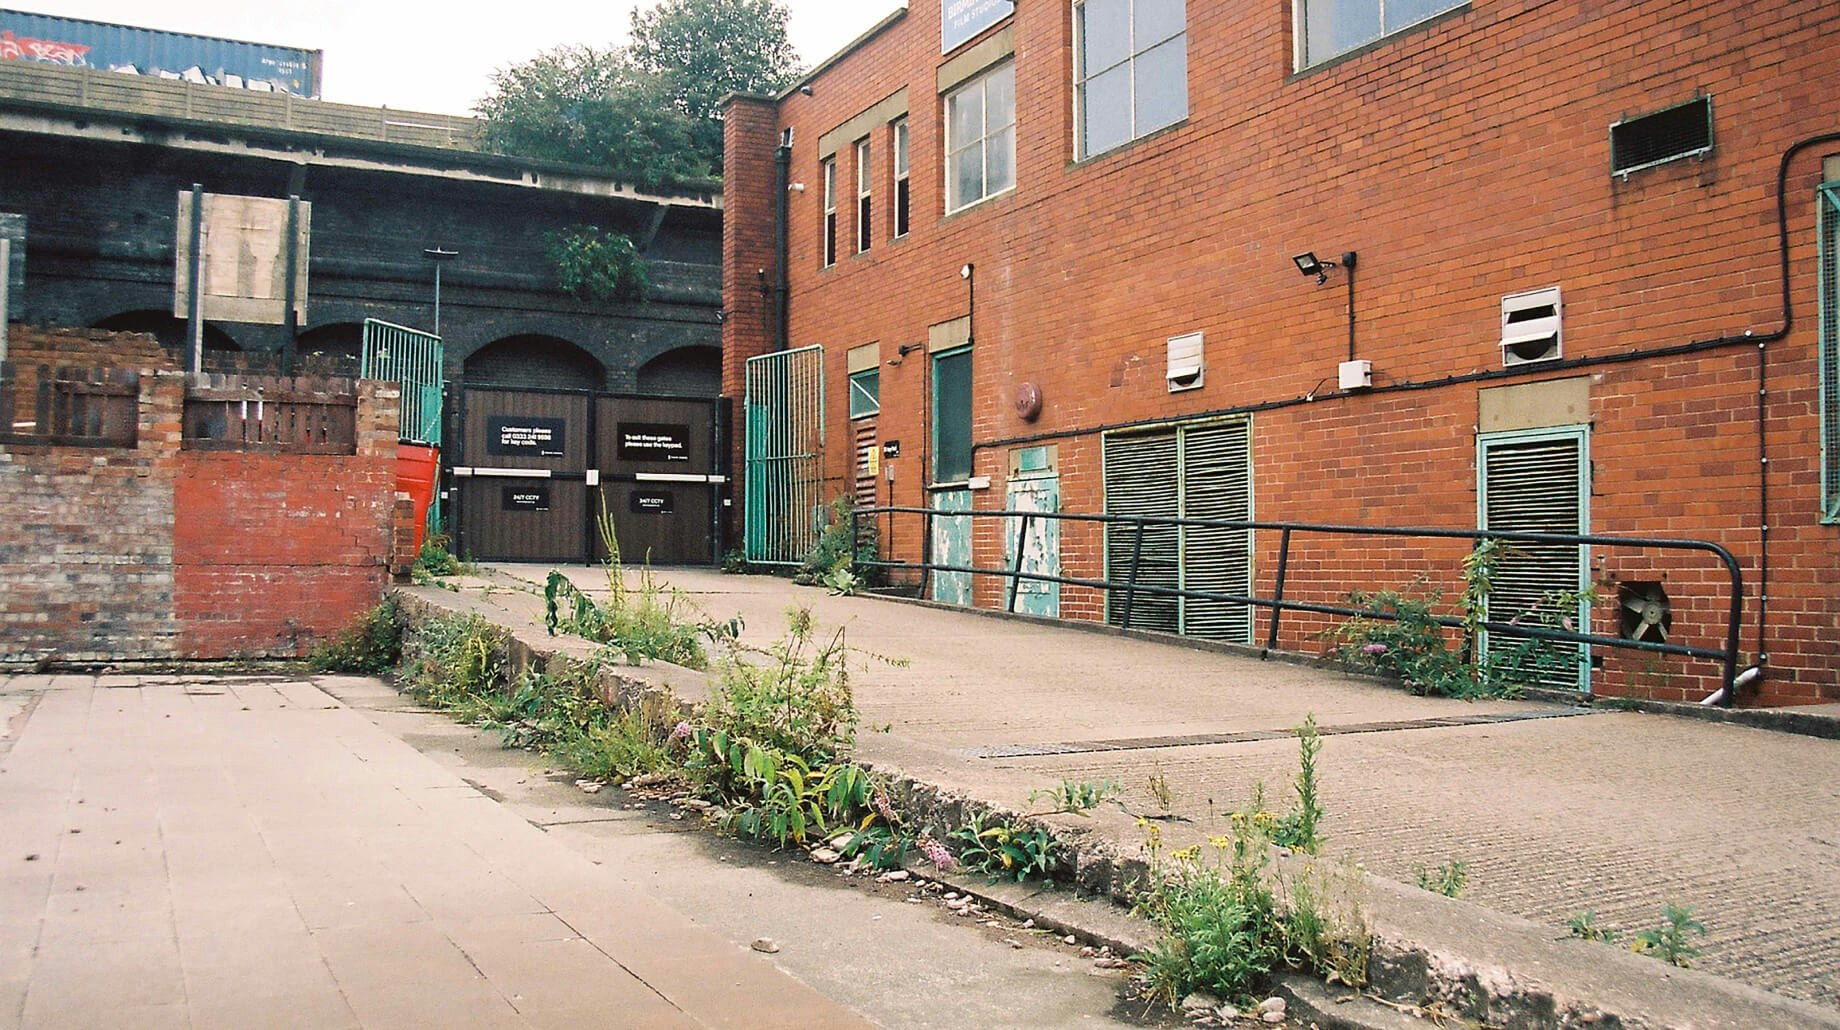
column 94, row 44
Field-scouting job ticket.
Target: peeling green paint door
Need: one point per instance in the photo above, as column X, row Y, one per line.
column 1041, row 546
column 952, row 546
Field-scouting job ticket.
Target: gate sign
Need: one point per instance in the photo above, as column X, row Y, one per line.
column 527, row 498
column 959, row 20
column 523, row 437
column 654, row 441
column 652, row 502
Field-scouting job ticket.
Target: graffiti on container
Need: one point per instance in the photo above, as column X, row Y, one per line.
column 14, row 48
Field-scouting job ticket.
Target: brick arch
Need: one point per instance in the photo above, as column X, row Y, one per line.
column 170, row 331
column 693, row 371
column 534, row 360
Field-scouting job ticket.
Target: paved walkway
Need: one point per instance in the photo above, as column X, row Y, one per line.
column 255, row 853
column 1553, row 812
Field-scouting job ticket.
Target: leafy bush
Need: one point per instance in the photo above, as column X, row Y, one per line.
column 370, row 647
column 595, row 265
column 838, row 560
column 650, row 622
column 1005, row 850
column 1448, row 879
column 1076, row 796
column 455, row 661
column 1669, row 943
column 795, row 697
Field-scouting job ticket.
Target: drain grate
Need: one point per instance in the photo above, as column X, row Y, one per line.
column 1084, row 747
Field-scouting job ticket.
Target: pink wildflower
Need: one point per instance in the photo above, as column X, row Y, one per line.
column 884, row 809
column 937, row 854
column 1373, row 648
column 681, row 731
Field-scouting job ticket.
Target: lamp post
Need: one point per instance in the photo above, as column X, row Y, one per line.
column 439, row 257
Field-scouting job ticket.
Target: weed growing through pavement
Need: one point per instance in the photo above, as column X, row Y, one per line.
column 1448, row 879
column 1077, row 797
column 1669, row 942
column 1158, row 786
column 1584, row 926
column 650, row 622
column 370, row 647
column 1005, row 849
column 1230, row 916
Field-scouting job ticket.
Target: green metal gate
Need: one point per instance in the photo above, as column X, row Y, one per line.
column 412, row 358
column 785, row 441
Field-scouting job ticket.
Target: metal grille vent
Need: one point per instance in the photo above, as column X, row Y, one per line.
column 1537, row 486
column 1684, row 130
column 1201, row 472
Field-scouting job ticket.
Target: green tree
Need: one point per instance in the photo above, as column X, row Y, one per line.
column 594, row 107
column 703, row 50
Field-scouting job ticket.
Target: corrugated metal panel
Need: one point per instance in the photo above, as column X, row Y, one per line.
column 1537, row 485
column 1830, row 352
column 76, row 42
column 1140, row 479
column 1217, row 484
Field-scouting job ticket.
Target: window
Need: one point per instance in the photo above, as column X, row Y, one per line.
column 1830, row 352
column 1130, row 70
column 952, row 416
column 981, row 138
column 865, row 393
column 865, row 225
column 901, row 177
column 830, row 212
column 1329, row 28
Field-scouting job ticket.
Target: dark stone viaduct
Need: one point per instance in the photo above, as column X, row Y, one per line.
column 95, row 162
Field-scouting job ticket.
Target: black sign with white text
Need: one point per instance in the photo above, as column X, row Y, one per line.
column 527, row 498
column 652, row 502
column 526, row 437
column 654, row 441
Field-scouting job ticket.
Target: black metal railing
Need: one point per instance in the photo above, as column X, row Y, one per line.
column 1130, row 587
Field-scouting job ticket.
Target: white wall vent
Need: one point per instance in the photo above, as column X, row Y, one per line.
column 1186, row 367
column 1530, row 327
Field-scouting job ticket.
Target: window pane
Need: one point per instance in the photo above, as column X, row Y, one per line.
column 1162, row 86
column 965, row 116
column 952, row 418
column 1000, row 161
column 900, row 149
column 1157, row 20
column 1334, row 26
column 1105, row 34
column 830, row 185
column 966, row 176
column 1403, row 13
column 865, row 394
column 901, row 216
column 862, row 168
column 1106, row 111
column 1000, row 98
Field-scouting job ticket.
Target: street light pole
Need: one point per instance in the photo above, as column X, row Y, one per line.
column 439, row 257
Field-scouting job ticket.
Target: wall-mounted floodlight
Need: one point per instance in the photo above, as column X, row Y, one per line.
column 1308, row 264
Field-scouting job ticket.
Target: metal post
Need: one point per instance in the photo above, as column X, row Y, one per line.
column 926, row 552
column 1284, row 561
column 438, row 255
column 290, row 316
column 1130, row 585
column 6, row 284
column 195, row 328
column 1015, row 567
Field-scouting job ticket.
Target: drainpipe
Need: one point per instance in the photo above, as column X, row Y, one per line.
column 782, row 286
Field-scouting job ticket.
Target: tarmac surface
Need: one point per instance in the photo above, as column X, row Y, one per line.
column 1552, row 810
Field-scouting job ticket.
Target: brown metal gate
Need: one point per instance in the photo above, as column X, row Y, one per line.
column 534, row 466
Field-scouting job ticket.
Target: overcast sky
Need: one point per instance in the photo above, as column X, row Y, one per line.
column 434, row 57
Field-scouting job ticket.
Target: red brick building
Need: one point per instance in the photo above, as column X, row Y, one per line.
column 1054, row 253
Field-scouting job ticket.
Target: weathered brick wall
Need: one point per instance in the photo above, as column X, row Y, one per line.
column 155, row 552
column 86, row 570
column 1463, row 161
column 272, row 552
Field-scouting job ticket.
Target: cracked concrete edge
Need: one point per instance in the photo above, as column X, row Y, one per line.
column 1459, row 959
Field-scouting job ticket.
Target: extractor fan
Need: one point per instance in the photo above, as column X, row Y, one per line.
column 1644, row 612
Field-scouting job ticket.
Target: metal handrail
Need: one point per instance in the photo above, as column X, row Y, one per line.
column 1013, row 572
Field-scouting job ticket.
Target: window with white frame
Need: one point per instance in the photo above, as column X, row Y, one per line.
column 865, row 223
column 1130, row 74
column 902, row 199
column 1330, row 28
column 830, row 212
column 981, row 138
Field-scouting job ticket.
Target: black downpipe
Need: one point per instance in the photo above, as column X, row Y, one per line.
column 782, row 283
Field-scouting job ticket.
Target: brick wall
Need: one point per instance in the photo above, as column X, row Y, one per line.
column 158, row 552
column 1463, row 161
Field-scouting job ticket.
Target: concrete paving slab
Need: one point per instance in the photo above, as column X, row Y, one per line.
column 223, row 875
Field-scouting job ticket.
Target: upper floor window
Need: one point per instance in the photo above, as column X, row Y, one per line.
column 865, row 225
column 1130, row 70
column 901, row 178
column 1329, row 28
column 830, row 212
column 981, row 138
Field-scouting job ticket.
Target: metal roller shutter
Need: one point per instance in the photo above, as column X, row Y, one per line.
column 1538, row 484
